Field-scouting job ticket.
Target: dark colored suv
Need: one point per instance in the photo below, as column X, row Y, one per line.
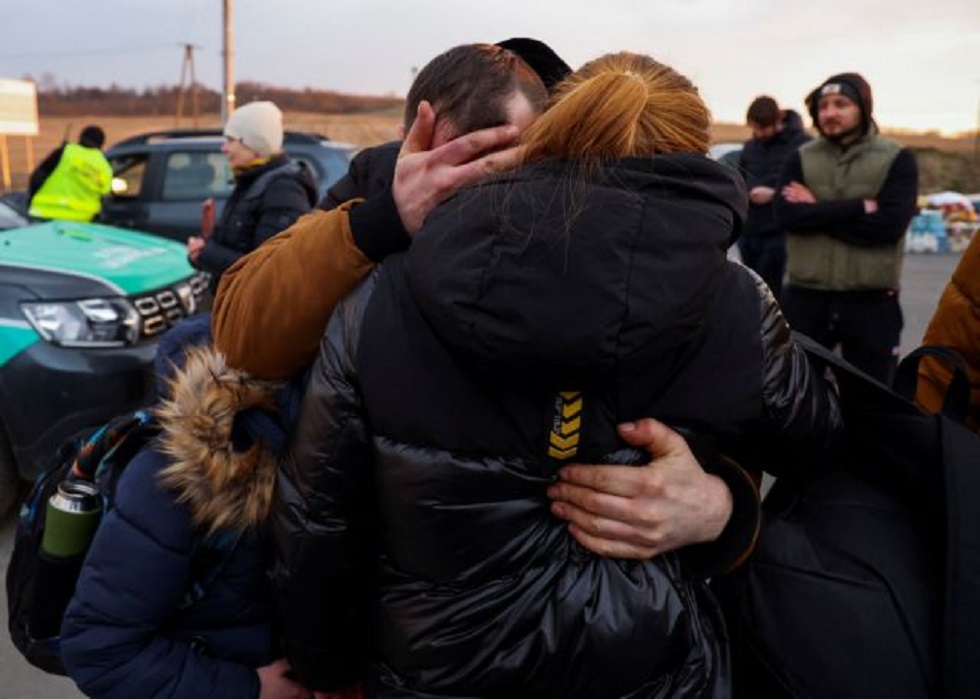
column 82, row 308
column 161, row 178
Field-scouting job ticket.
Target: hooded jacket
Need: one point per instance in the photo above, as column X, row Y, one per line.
column 761, row 163
column 530, row 316
column 130, row 631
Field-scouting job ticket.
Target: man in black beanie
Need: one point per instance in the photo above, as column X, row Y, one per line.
column 71, row 181
column 846, row 200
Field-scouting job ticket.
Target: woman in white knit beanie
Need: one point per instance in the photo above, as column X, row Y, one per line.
column 271, row 191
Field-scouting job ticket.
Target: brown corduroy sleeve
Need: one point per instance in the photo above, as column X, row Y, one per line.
column 955, row 324
column 272, row 306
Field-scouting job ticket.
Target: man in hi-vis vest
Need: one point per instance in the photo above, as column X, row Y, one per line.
column 845, row 200
column 71, row 181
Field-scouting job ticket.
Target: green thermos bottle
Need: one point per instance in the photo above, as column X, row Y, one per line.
column 70, row 519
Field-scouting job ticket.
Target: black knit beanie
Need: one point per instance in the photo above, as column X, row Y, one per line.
column 92, row 137
column 852, row 86
column 543, row 60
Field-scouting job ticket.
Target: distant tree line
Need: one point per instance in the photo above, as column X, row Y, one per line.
column 162, row 100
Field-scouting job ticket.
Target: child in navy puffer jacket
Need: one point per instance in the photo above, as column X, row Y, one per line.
column 190, row 508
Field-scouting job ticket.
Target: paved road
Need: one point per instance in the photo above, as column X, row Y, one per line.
column 923, row 280
column 18, row 679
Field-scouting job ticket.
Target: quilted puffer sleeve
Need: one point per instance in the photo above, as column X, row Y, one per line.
column 321, row 519
column 800, row 402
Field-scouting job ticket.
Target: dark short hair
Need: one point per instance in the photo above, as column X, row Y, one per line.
column 763, row 112
column 470, row 85
column 92, row 136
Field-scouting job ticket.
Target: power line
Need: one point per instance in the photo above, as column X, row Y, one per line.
column 91, row 52
column 187, row 69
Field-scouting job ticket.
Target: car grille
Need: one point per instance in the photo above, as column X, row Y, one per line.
column 161, row 309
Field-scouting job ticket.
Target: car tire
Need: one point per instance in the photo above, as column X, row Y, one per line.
column 10, row 483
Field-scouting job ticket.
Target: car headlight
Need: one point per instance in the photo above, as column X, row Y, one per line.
column 87, row 323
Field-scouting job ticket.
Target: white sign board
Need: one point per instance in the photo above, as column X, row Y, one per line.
column 18, row 108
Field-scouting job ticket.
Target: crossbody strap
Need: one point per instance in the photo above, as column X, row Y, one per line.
column 224, row 542
column 956, row 402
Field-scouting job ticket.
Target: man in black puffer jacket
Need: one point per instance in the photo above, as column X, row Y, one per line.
column 776, row 135
column 271, row 191
column 531, row 315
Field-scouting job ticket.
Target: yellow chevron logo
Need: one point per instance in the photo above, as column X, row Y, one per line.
column 569, row 426
column 566, row 426
column 561, row 454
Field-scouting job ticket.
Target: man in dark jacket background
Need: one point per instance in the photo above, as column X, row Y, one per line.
column 776, row 135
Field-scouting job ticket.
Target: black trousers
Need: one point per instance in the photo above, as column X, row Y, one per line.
column 866, row 324
column 767, row 256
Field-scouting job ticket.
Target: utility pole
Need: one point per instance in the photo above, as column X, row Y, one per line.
column 187, row 70
column 228, row 93
column 976, row 133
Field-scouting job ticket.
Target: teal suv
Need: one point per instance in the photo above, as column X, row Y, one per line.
column 82, row 307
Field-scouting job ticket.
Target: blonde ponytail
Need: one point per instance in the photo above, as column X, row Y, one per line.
column 620, row 105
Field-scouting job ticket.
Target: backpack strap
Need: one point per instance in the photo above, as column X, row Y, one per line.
column 956, row 402
column 119, row 440
column 827, row 357
column 221, row 544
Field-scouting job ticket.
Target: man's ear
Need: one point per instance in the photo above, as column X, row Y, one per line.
column 400, row 130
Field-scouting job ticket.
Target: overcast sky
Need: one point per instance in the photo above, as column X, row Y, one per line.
column 921, row 57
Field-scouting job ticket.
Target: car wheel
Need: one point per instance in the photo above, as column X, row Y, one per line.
column 10, row 484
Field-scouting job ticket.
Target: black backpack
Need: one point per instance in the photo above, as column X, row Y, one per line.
column 39, row 587
column 865, row 579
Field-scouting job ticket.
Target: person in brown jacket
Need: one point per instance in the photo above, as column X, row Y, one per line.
column 955, row 324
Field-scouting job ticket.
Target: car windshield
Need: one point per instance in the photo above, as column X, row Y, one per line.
column 196, row 176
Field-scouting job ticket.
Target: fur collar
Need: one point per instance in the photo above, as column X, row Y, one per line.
column 224, row 487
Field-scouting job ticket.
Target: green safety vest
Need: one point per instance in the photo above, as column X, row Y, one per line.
column 74, row 190
column 816, row 260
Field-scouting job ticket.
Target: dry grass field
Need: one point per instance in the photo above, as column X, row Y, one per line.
column 369, row 129
column 361, row 129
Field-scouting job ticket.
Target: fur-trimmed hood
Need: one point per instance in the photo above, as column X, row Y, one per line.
column 218, row 428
